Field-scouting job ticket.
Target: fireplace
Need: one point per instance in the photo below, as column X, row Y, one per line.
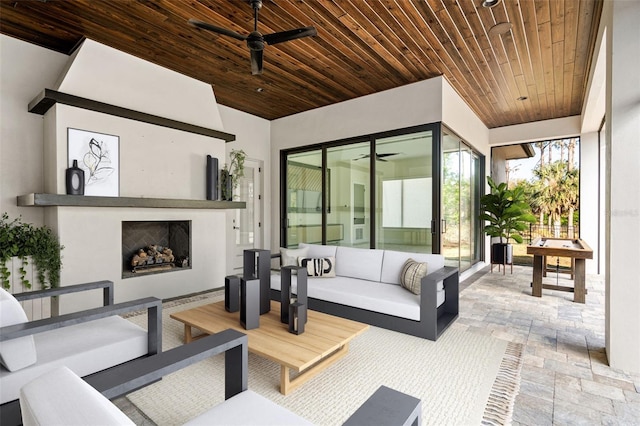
column 154, row 247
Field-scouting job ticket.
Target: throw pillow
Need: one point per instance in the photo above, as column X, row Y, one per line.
column 15, row 353
column 289, row 257
column 319, row 267
column 412, row 274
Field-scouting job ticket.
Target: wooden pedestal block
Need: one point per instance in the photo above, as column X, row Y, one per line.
column 250, row 303
column 232, row 293
column 259, row 268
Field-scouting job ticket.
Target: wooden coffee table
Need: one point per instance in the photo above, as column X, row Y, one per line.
column 324, row 341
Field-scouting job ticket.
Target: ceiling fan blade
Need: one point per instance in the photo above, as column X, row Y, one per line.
column 387, row 154
column 215, row 29
column 290, row 35
column 256, row 62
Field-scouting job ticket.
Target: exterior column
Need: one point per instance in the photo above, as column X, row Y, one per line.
column 623, row 193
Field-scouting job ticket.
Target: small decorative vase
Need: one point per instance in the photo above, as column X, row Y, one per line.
column 75, row 180
column 226, row 186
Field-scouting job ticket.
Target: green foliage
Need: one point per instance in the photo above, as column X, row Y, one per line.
column 19, row 239
column 506, row 211
column 233, row 170
column 556, row 189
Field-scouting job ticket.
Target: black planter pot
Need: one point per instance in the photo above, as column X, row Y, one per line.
column 501, row 253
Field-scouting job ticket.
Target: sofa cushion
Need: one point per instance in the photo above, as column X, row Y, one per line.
column 248, row 408
column 359, row 263
column 319, row 250
column 289, row 257
column 412, row 274
column 85, row 348
column 393, row 262
column 19, row 353
column 60, row 397
column 319, row 267
column 373, row 296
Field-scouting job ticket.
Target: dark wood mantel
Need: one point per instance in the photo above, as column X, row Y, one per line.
column 48, row 98
column 49, row 200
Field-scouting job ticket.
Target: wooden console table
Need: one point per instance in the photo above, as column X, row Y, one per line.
column 576, row 249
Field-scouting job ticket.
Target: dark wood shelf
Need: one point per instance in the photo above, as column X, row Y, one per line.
column 48, row 98
column 48, row 200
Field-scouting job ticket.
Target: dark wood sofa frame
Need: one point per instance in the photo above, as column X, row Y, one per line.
column 433, row 320
column 10, row 411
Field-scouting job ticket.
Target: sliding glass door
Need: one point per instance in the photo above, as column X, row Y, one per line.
column 461, row 238
column 404, row 188
column 304, row 192
column 348, row 211
column 415, row 190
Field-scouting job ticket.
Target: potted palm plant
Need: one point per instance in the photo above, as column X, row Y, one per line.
column 507, row 215
column 231, row 173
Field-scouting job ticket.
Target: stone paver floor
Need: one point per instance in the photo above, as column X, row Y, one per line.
column 565, row 376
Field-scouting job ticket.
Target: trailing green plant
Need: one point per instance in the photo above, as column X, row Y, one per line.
column 23, row 240
column 233, row 170
column 507, row 212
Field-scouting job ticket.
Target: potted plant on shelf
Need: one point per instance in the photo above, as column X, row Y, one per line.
column 231, row 173
column 23, row 241
column 507, row 214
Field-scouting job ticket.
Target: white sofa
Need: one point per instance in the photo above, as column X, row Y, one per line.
column 86, row 342
column 366, row 288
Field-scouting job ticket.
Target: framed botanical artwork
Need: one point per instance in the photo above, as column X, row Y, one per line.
column 98, row 154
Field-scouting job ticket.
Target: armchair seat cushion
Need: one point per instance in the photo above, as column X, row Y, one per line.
column 248, row 408
column 85, row 348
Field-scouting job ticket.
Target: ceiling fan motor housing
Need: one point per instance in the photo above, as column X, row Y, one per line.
column 255, row 41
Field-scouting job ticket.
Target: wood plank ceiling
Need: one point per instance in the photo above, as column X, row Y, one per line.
column 362, row 47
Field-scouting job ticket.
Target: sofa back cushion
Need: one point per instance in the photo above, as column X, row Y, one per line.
column 289, row 257
column 359, row 263
column 318, row 250
column 15, row 353
column 393, row 262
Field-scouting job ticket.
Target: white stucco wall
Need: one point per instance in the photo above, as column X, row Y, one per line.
column 102, row 73
column 536, row 131
column 25, row 69
column 590, row 198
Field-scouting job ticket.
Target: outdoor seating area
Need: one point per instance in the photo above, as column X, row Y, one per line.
column 319, row 212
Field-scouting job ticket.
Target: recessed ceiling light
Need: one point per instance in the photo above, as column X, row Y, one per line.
column 501, row 28
column 523, row 98
column 490, row 3
column 259, row 90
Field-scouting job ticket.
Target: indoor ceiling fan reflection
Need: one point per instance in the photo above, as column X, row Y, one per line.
column 379, row 157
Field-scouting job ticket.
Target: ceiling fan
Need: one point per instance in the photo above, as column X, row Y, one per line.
column 255, row 40
column 379, row 157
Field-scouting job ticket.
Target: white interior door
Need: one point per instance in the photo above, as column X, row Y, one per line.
column 246, row 226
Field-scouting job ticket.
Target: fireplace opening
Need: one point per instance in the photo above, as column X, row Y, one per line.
column 154, row 247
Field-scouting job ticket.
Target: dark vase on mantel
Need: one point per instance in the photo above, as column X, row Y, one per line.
column 226, row 186
column 75, row 180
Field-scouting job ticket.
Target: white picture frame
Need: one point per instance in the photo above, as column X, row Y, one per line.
column 98, row 154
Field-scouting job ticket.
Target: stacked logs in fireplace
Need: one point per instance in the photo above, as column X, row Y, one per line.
column 155, row 257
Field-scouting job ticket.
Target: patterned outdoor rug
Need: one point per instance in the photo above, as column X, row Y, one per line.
column 463, row 378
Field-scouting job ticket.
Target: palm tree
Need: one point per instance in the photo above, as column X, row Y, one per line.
column 557, row 191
